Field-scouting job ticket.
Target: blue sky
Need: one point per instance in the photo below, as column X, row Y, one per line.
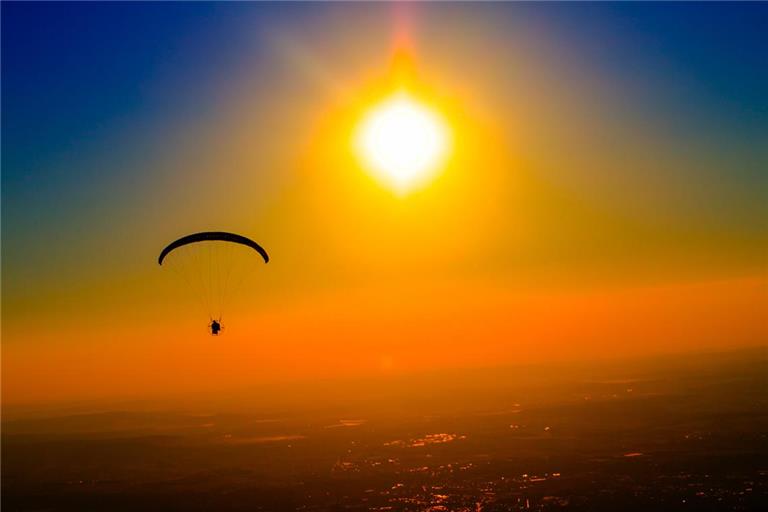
column 92, row 92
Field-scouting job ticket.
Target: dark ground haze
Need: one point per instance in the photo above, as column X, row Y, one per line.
column 676, row 433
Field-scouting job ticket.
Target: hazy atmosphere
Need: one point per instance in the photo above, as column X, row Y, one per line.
column 470, row 210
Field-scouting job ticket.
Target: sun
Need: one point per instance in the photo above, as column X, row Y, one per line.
column 402, row 142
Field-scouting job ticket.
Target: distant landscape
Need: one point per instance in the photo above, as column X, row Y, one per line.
column 684, row 432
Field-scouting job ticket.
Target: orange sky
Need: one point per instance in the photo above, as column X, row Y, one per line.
column 580, row 216
column 383, row 331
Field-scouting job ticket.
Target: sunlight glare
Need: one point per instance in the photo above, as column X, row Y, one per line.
column 402, row 142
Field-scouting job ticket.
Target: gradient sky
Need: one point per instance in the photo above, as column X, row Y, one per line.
column 606, row 198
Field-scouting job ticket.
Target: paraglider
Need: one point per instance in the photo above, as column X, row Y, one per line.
column 215, row 327
column 213, row 265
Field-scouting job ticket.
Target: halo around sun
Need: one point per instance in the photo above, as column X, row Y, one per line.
column 402, row 142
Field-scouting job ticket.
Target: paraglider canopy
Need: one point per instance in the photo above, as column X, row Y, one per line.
column 210, row 236
column 212, row 265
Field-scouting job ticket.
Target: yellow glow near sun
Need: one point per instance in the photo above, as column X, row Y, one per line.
column 403, row 142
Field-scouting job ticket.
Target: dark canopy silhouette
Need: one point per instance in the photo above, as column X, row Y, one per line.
column 209, row 236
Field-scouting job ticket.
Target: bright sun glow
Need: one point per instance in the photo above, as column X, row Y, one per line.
column 403, row 142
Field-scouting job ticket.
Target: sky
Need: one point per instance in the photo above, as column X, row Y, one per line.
column 604, row 196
